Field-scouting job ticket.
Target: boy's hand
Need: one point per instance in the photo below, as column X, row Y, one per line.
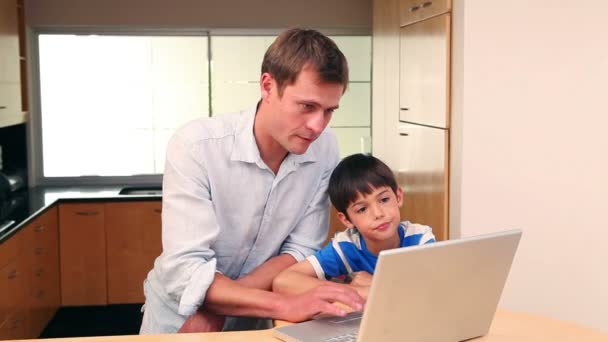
column 361, row 279
column 320, row 300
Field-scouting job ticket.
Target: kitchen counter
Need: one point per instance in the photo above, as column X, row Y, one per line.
column 508, row 326
column 39, row 199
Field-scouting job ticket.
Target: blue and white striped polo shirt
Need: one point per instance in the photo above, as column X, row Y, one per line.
column 347, row 253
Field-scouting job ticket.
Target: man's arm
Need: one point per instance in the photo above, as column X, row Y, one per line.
column 262, row 276
column 227, row 297
column 302, row 277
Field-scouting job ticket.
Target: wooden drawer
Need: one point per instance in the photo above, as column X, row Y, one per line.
column 13, row 327
column 9, row 249
column 411, row 11
column 44, row 229
column 11, row 288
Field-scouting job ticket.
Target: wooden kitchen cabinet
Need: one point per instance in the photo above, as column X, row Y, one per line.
column 13, row 289
column 133, row 235
column 82, row 242
column 411, row 11
column 10, row 75
column 422, row 171
column 424, row 72
column 42, row 253
column 11, row 294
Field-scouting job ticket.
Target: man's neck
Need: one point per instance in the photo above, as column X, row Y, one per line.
column 271, row 152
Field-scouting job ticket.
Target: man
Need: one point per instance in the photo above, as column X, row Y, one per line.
column 244, row 197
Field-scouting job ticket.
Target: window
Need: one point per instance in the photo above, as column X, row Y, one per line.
column 111, row 102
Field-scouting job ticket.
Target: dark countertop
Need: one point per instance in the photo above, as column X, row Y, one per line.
column 38, row 199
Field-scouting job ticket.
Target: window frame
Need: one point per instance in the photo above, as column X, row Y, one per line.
column 35, row 145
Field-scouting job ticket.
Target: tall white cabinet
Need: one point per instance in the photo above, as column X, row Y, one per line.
column 411, row 103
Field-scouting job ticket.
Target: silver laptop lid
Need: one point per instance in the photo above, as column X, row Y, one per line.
column 445, row 291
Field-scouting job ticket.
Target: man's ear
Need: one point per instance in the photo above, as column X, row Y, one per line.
column 267, row 86
column 399, row 195
column 345, row 221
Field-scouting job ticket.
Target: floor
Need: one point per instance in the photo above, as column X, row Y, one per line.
column 123, row 319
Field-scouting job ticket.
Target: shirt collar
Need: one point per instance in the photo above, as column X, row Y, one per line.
column 246, row 149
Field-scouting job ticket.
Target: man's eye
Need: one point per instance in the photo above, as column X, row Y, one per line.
column 307, row 106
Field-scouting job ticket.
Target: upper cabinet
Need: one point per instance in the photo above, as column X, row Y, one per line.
column 411, row 11
column 11, row 112
column 424, row 94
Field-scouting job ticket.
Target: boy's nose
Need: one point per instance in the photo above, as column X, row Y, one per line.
column 377, row 211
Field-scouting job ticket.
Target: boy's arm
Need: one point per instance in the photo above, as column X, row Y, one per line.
column 302, row 277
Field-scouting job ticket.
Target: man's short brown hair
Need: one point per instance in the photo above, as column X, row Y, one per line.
column 296, row 48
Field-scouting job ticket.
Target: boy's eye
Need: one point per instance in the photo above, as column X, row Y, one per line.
column 360, row 210
column 385, row 199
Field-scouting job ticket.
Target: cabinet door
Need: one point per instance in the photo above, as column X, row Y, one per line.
column 411, row 11
column 424, row 72
column 11, row 289
column 422, row 171
column 10, row 88
column 133, row 235
column 82, row 242
column 44, row 294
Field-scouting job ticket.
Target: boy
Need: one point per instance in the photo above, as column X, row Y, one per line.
column 364, row 191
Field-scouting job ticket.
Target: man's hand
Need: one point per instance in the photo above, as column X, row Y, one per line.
column 320, row 300
column 202, row 321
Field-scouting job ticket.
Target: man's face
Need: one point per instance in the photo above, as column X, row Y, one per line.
column 302, row 112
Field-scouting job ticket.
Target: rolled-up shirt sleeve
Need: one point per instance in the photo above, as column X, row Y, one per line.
column 189, row 228
column 310, row 233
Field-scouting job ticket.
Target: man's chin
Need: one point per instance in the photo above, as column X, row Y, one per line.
column 299, row 149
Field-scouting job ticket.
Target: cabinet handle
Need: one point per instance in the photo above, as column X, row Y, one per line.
column 158, row 211
column 404, row 134
column 13, row 274
column 39, row 251
column 39, row 273
column 40, row 294
column 87, row 213
column 427, row 4
column 414, row 8
column 39, row 228
column 2, row 107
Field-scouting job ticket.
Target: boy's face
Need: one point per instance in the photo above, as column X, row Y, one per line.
column 303, row 110
column 375, row 215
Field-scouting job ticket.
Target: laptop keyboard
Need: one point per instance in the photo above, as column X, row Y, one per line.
column 350, row 337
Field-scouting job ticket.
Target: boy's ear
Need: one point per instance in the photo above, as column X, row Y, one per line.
column 345, row 221
column 399, row 195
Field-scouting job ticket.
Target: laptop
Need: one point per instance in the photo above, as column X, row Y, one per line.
column 443, row 291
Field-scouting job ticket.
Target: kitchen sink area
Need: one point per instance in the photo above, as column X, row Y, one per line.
column 141, row 190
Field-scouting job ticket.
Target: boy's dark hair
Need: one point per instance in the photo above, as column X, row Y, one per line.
column 358, row 173
column 295, row 48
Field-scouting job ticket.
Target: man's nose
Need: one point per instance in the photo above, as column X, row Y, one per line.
column 317, row 122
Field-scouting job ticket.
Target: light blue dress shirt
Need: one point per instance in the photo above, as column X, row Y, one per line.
column 225, row 211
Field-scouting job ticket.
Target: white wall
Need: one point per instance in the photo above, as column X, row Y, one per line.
column 530, row 149
column 346, row 14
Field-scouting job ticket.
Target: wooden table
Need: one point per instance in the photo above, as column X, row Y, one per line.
column 507, row 326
